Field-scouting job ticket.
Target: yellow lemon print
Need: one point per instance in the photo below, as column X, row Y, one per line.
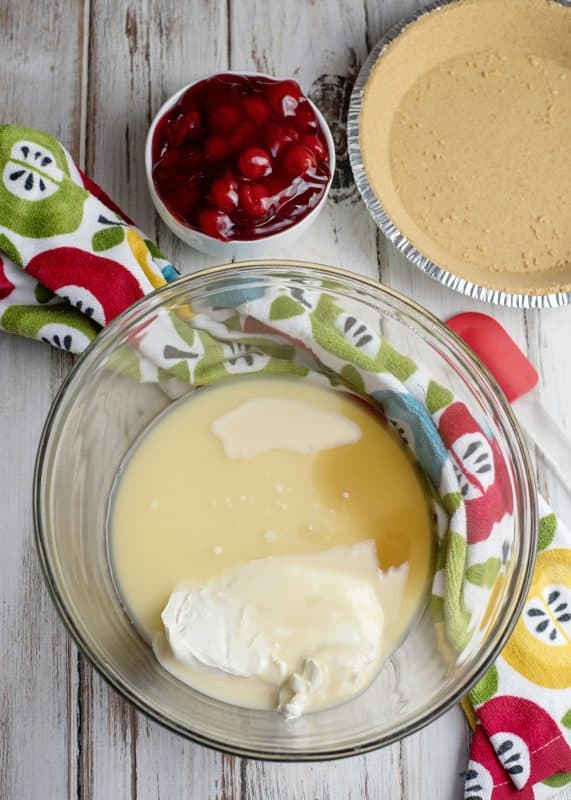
column 540, row 646
column 141, row 253
column 186, row 312
column 493, row 600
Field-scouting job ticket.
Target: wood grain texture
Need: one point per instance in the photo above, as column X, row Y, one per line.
column 94, row 72
column 41, row 51
column 284, row 43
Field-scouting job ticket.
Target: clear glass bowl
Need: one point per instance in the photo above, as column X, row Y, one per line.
column 98, row 414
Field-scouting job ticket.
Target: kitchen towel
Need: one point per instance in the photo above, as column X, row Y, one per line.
column 70, row 261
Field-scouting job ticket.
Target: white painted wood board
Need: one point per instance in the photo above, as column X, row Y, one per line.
column 94, row 72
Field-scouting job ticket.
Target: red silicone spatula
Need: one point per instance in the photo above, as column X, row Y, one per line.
column 517, row 378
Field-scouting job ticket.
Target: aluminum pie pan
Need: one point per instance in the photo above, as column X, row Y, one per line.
column 385, row 223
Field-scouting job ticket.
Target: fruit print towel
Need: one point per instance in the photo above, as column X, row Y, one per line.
column 521, row 743
column 70, row 261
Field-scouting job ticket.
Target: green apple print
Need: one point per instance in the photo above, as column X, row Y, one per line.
column 348, row 338
column 58, row 325
column 37, row 197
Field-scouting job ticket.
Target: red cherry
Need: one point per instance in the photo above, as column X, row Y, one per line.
column 305, row 119
column 225, row 90
column 224, row 192
column 257, row 109
column 216, row 92
column 224, row 118
column 254, row 163
column 192, row 123
column 315, row 144
column 166, row 166
column 278, row 138
column 216, row 147
column 229, row 156
column 284, row 97
column 191, row 162
column 215, row 223
column 254, row 199
column 244, row 136
column 298, row 160
column 230, row 78
column 277, row 185
column 176, row 133
column 281, row 190
column 185, row 127
column 185, row 198
column 192, row 99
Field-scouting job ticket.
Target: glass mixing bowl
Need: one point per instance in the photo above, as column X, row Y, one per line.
column 107, row 401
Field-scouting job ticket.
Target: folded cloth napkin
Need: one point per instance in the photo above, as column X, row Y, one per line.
column 56, row 285
column 522, row 720
column 70, row 259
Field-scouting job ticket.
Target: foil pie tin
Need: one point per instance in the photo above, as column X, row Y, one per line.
column 385, row 223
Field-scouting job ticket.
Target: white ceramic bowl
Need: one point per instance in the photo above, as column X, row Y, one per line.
column 243, row 248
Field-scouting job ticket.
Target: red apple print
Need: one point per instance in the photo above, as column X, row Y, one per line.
column 481, row 470
column 136, row 335
column 485, row 776
column 98, row 192
column 112, row 287
column 6, row 286
column 526, row 741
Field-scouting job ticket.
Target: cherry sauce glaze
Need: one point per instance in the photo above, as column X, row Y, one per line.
column 240, row 157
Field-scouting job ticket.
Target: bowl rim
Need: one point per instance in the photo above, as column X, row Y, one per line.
column 106, row 337
column 165, row 212
column 382, row 219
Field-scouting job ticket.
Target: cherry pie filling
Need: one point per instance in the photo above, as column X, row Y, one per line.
column 240, row 157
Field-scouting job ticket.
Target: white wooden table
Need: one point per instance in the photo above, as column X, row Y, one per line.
column 94, row 72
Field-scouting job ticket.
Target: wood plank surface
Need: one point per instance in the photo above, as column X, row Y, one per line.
column 41, row 67
column 94, row 72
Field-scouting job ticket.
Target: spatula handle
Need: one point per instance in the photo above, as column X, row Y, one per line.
column 549, row 437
